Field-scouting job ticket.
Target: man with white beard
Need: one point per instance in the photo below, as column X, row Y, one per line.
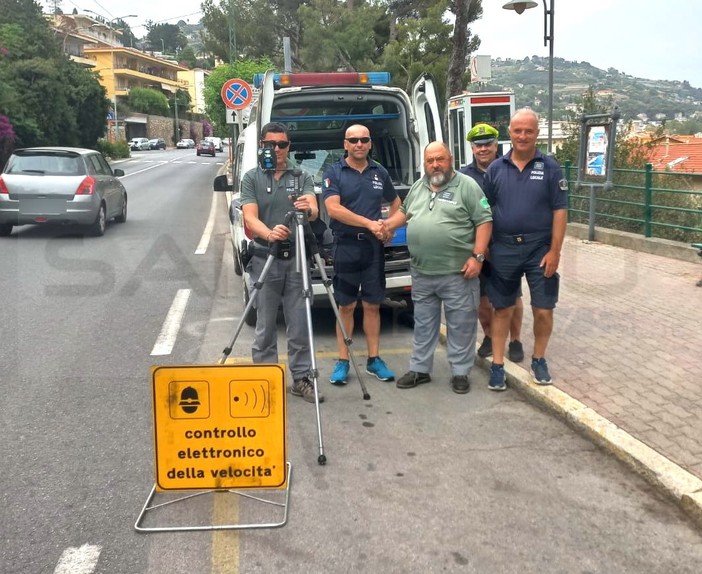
column 449, row 223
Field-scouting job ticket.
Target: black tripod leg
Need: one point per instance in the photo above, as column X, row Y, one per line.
column 347, row 340
column 252, row 298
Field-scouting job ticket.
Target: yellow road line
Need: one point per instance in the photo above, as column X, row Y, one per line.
column 225, row 543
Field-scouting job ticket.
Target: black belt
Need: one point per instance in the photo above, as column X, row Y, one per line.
column 520, row 238
column 356, row 237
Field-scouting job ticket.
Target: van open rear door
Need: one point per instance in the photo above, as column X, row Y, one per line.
column 264, row 106
column 426, row 111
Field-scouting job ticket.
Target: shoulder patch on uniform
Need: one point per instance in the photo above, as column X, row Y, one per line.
column 563, row 184
column 539, row 165
column 327, row 183
column 484, row 202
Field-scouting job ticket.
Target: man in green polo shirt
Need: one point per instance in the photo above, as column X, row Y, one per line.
column 449, row 223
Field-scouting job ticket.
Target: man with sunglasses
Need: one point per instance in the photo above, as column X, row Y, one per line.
column 448, row 228
column 483, row 143
column 265, row 200
column 354, row 190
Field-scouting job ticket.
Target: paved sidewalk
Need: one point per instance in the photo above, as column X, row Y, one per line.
column 627, row 343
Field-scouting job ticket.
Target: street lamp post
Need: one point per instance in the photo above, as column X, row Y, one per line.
column 519, row 7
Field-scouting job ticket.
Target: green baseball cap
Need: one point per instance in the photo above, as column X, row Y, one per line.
column 482, row 133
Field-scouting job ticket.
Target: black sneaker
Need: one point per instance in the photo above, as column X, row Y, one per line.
column 460, row 384
column 515, row 351
column 412, row 379
column 485, row 349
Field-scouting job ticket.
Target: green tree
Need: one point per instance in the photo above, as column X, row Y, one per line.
column 49, row 99
column 466, row 12
column 422, row 44
column 165, row 37
column 188, row 58
column 259, row 25
column 342, row 38
column 148, row 101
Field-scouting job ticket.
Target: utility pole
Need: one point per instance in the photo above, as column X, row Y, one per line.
column 177, row 126
column 232, row 33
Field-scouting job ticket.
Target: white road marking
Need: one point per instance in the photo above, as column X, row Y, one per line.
column 207, row 234
column 171, row 325
column 78, row 560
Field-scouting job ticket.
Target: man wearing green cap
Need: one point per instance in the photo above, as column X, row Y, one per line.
column 483, row 141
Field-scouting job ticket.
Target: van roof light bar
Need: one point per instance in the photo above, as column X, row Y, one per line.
column 327, row 79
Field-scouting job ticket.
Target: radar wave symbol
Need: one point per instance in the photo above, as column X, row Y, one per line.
column 250, row 400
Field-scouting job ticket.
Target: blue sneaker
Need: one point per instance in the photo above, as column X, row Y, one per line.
column 539, row 369
column 340, row 373
column 378, row 368
column 498, row 380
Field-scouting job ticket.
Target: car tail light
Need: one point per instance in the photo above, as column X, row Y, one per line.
column 3, row 188
column 86, row 187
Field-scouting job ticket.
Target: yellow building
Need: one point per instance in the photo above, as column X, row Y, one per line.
column 97, row 44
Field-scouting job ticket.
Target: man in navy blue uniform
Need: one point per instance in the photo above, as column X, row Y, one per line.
column 529, row 200
column 483, row 144
column 354, row 190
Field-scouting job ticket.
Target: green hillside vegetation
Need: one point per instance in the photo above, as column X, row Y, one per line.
column 528, row 78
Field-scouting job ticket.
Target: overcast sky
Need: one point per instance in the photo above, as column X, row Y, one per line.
column 655, row 39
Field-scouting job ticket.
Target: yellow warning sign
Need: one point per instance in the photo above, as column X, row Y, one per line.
column 218, row 427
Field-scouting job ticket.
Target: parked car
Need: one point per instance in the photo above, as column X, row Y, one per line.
column 185, row 144
column 216, row 141
column 157, row 143
column 206, row 147
column 60, row 185
column 138, row 144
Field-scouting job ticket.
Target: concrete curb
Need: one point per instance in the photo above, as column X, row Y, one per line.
column 674, row 481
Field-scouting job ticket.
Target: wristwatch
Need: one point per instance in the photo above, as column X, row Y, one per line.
column 479, row 256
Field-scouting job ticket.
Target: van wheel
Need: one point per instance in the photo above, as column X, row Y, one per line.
column 251, row 316
column 237, row 264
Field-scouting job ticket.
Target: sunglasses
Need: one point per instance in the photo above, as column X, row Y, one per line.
column 356, row 140
column 272, row 144
column 431, row 201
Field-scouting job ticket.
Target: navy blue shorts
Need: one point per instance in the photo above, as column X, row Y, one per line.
column 485, row 278
column 508, row 263
column 358, row 265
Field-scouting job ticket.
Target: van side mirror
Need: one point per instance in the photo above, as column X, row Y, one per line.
column 221, row 183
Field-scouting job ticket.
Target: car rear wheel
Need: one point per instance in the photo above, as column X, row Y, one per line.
column 5, row 230
column 122, row 217
column 250, row 318
column 97, row 228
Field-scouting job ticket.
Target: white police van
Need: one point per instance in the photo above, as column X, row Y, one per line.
column 317, row 108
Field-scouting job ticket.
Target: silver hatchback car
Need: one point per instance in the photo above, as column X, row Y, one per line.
column 60, row 185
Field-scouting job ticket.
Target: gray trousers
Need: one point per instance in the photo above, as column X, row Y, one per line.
column 460, row 298
column 281, row 285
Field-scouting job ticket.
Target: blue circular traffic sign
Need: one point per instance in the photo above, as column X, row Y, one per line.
column 236, row 94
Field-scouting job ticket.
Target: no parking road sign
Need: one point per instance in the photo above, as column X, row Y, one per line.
column 236, row 94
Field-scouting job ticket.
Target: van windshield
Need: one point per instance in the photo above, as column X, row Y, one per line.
column 315, row 162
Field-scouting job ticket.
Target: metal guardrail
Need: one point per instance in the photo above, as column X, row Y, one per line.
column 646, row 202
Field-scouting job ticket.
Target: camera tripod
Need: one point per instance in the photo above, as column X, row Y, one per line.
column 304, row 241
